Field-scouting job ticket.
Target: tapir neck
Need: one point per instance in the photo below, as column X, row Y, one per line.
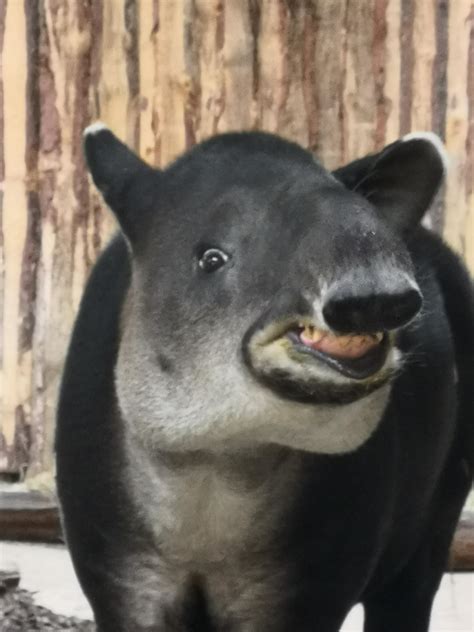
column 203, row 507
column 245, row 469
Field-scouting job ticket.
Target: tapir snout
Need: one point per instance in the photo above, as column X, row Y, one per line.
column 349, row 307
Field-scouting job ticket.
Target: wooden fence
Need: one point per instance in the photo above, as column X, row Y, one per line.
column 342, row 77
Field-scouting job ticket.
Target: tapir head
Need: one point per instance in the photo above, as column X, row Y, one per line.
column 266, row 292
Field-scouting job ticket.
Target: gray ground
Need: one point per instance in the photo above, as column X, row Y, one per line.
column 51, row 599
column 19, row 613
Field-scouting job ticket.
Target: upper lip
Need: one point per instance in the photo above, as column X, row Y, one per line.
column 359, row 368
column 352, row 366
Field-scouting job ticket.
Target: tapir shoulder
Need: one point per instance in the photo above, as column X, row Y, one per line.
column 88, row 371
column 455, row 285
column 432, row 256
column 98, row 319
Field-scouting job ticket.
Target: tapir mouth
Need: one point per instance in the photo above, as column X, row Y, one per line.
column 301, row 343
column 357, row 356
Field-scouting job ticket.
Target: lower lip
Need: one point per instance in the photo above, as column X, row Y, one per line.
column 360, row 368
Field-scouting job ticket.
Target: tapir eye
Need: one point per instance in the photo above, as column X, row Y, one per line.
column 212, row 259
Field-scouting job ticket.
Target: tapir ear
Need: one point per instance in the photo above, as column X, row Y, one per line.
column 118, row 173
column 400, row 181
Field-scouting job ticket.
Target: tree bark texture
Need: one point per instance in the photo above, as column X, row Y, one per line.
column 342, row 77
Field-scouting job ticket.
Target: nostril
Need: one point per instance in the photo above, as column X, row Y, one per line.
column 369, row 313
column 404, row 306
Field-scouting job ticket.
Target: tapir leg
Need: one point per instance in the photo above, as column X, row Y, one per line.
column 139, row 602
column 117, row 612
column 404, row 605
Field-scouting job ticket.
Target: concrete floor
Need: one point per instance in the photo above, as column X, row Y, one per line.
column 47, row 572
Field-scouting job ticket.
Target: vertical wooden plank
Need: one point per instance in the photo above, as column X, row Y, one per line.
column 130, row 11
column 237, row 112
column 459, row 119
column 148, row 29
column 112, row 88
column 379, row 66
column 117, row 87
column 439, row 96
column 46, row 121
column 173, row 83
column 469, row 253
column 407, row 53
column 272, row 68
column 100, row 222
column 310, row 82
column 27, row 434
column 392, row 70
column 293, row 116
column 360, row 113
column 424, row 38
column 282, row 71
column 107, row 86
column 330, row 76
column 208, row 44
column 68, row 244
column 15, row 384
column 191, row 44
column 3, row 444
column 440, row 65
column 424, row 51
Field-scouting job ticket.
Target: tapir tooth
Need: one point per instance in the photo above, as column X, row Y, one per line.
column 310, row 332
column 313, row 334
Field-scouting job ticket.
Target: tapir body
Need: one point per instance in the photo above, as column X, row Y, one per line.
column 266, row 414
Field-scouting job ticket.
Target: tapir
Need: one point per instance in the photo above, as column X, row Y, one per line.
column 266, row 414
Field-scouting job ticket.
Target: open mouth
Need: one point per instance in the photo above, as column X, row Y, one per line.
column 357, row 356
column 290, row 357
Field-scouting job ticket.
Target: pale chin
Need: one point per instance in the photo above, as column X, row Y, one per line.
column 241, row 415
column 224, row 407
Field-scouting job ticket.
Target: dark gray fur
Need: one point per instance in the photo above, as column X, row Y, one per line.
column 210, row 481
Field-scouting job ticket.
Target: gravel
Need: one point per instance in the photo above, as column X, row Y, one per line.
column 19, row 613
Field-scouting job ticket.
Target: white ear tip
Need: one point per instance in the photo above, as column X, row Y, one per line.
column 95, row 128
column 435, row 140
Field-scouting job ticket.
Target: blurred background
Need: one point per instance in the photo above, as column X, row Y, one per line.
column 341, row 77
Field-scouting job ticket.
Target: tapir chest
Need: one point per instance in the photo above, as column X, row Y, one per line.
column 218, row 527
column 202, row 517
column 224, row 524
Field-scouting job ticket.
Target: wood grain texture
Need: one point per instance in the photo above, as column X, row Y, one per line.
column 459, row 207
column 5, row 447
column 342, row 77
column 16, row 362
column 29, row 516
column 462, row 549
